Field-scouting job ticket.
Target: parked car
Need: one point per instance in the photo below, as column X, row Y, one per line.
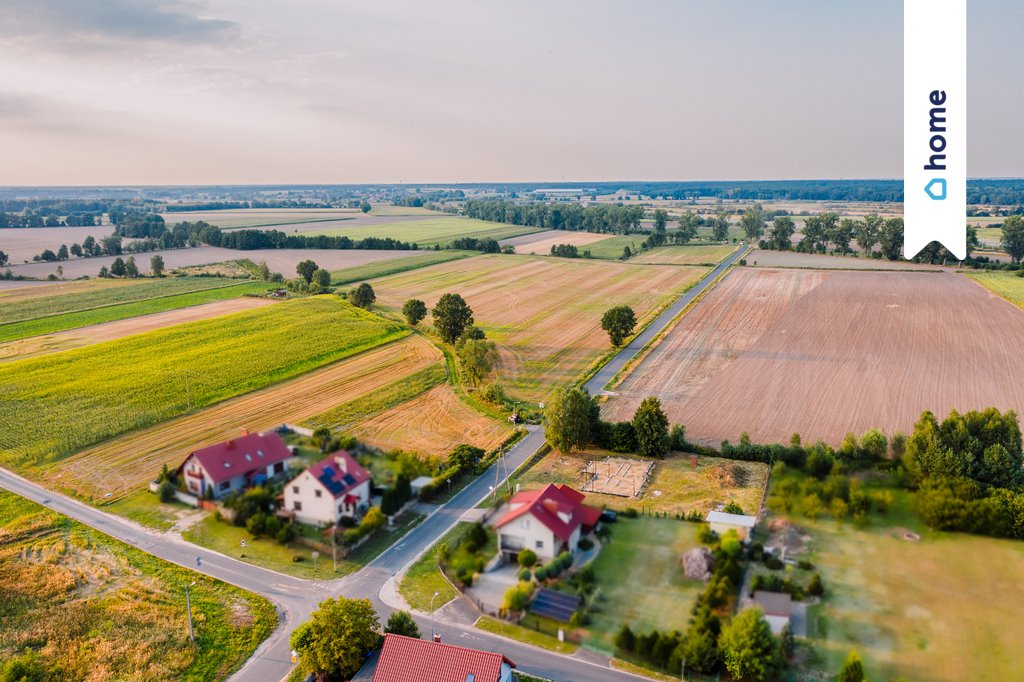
column 608, row 516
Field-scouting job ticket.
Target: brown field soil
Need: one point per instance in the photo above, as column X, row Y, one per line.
column 773, row 352
column 22, row 243
column 820, row 261
column 685, row 255
column 123, row 464
column 433, row 423
column 540, row 243
column 24, row 290
column 84, row 336
column 544, row 313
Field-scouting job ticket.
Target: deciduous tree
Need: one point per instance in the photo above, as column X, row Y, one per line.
column 156, row 265
column 477, row 358
column 305, row 270
column 333, row 642
column 619, row 322
column 362, row 296
column 749, row 648
column 451, row 317
column 651, row 427
column 781, row 232
column 414, row 311
column 567, row 419
column 752, row 222
column 1013, row 237
column 401, row 623
column 322, row 278
column 720, row 227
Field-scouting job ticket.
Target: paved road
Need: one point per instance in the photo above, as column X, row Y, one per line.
column 296, row 598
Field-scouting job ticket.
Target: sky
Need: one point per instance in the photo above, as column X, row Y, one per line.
column 132, row 92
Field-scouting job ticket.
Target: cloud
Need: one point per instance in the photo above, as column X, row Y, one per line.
column 62, row 25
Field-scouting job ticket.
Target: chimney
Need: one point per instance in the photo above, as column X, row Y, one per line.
column 437, row 638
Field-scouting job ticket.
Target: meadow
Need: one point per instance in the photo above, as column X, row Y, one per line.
column 544, row 313
column 433, row 231
column 361, row 273
column 58, row 404
column 612, row 247
column 1004, row 284
column 88, row 607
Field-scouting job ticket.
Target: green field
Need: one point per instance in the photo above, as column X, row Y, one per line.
column 435, row 231
column 361, row 273
column 639, row 574
column 58, row 404
column 112, row 312
column 79, row 605
column 1005, row 284
column 611, row 248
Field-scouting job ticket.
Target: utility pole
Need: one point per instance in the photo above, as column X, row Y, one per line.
column 188, row 607
column 432, row 633
column 334, row 546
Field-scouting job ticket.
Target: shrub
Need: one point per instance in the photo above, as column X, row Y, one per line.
column 541, row 574
column 585, row 544
column 631, row 513
column 351, row 536
column 271, row 526
column 805, row 565
column 256, row 524
column 285, row 534
column 774, row 563
column 165, row 491
column 527, row 558
column 815, row 588
column 706, row 535
column 373, row 520
column 525, row 575
column 517, row 598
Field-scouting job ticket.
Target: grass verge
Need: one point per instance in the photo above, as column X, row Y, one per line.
column 521, row 634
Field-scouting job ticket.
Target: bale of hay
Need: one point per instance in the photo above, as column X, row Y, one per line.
column 697, row 563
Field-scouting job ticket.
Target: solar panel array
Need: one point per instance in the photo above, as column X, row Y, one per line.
column 555, row 605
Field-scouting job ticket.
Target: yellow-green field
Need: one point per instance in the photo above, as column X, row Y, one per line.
column 685, row 255
column 57, row 404
column 1005, row 284
column 434, row 231
column 78, row 605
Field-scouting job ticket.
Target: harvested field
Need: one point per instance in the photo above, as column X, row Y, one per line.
column 108, row 331
column 428, row 232
column 773, row 352
column 685, row 255
column 820, row 261
column 431, row 424
column 22, row 243
column 540, row 243
column 119, row 466
column 22, row 284
column 260, row 217
column 544, row 313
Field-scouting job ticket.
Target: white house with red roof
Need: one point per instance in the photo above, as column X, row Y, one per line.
column 335, row 486
column 548, row 521
column 406, row 659
column 235, row 464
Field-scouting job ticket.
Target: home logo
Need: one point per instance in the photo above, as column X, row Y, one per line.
column 936, row 188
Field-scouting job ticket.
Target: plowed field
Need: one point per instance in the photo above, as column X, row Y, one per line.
column 773, row 352
column 540, row 243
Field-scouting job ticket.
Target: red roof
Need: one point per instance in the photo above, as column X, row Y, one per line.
column 546, row 504
column 339, row 473
column 240, row 456
column 405, row 658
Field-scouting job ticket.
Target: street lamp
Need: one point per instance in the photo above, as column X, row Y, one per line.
column 432, row 633
column 188, row 607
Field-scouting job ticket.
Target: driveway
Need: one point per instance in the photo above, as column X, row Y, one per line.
column 489, row 588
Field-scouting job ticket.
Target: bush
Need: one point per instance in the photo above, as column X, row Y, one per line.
column 527, row 558
column 774, row 563
column 525, row 575
column 805, row 565
column 517, row 598
column 271, row 526
column 815, row 588
column 256, row 524
column 351, row 536
column 165, row 491
column 285, row 534
column 706, row 536
column 631, row 513
column 541, row 574
column 585, row 544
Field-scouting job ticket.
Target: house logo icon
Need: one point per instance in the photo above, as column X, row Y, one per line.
column 936, row 189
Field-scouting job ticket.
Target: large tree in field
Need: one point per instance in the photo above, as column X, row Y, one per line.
column 651, row 427
column 867, row 233
column 362, row 296
column 305, row 270
column 781, row 233
column 414, row 311
column 619, row 322
column 1013, row 237
column 843, row 234
column 660, row 219
column 890, row 238
column 749, row 648
column 451, row 317
column 3, row 259
column 752, row 222
column 477, row 358
column 688, row 223
column 333, row 642
column 156, row 265
column 567, row 420
column 720, row 227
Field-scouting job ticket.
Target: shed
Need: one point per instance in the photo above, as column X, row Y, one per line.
column 418, row 483
column 721, row 523
column 777, row 606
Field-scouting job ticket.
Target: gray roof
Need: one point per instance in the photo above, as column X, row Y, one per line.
column 774, row 603
column 732, row 519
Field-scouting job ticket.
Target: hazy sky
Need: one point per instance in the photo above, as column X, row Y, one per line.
column 297, row 91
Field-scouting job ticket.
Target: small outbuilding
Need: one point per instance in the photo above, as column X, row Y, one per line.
column 722, row 523
column 419, row 483
column 777, row 607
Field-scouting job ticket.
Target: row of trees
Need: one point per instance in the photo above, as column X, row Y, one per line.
column 41, row 219
column 604, row 218
column 572, row 422
column 128, row 268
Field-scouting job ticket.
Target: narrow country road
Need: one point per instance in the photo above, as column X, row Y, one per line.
column 296, row 598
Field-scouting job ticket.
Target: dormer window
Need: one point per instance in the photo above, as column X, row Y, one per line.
column 248, row 457
column 227, row 465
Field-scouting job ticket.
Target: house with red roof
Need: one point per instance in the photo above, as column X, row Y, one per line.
column 334, row 487
column 548, row 521
column 236, row 464
column 406, row 659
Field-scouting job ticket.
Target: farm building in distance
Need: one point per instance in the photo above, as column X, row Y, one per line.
column 334, row 487
column 722, row 523
column 548, row 521
column 236, row 464
column 403, row 659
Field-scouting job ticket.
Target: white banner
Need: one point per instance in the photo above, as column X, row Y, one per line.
column 935, row 125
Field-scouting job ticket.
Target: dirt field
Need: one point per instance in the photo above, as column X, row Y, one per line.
column 544, row 313
column 84, row 336
column 685, row 255
column 22, row 243
column 622, row 476
column 792, row 259
column 431, row 424
column 540, row 243
column 123, row 464
column 773, row 352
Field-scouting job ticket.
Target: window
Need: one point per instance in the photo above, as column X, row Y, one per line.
column 540, row 544
column 295, row 489
column 225, row 485
column 318, row 493
column 297, row 506
column 524, row 523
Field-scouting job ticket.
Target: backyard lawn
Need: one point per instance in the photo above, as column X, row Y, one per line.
column 642, row 580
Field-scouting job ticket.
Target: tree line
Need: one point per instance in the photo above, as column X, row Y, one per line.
column 602, row 218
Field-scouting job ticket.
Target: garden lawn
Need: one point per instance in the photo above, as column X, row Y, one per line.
column 90, row 607
column 523, row 634
column 143, row 506
column 424, row 577
column 58, row 404
column 441, row 230
column 673, row 486
column 642, row 580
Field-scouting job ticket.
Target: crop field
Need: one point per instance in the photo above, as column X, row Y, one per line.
column 686, row 255
column 675, row 485
column 108, row 331
column 94, row 608
column 427, row 232
column 48, row 323
column 260, row 217
column 823, row 353
column 821, row 261
column 611, row 248
column 433, row 423
column 1005, row 284
column 544, row 313
column 361, row 273
column 942, row 608
column 540, row 243
column 57, row 404
column 120, row 465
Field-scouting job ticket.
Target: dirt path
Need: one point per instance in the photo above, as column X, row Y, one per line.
column 108, row 331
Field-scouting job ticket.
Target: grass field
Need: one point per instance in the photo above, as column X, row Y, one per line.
column 108, row 313
column 92, row 608
column 944, row 608
column 441, row 230
column 673, row 486
column 523, row 634
column 361, row 273
column 1004, row 284
column 122, row 464
column 424, row 578
column 58, row 404
column 48, row 289
column 685, row 255
column 544, row 313
column 611, row 248
column 642, row 580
